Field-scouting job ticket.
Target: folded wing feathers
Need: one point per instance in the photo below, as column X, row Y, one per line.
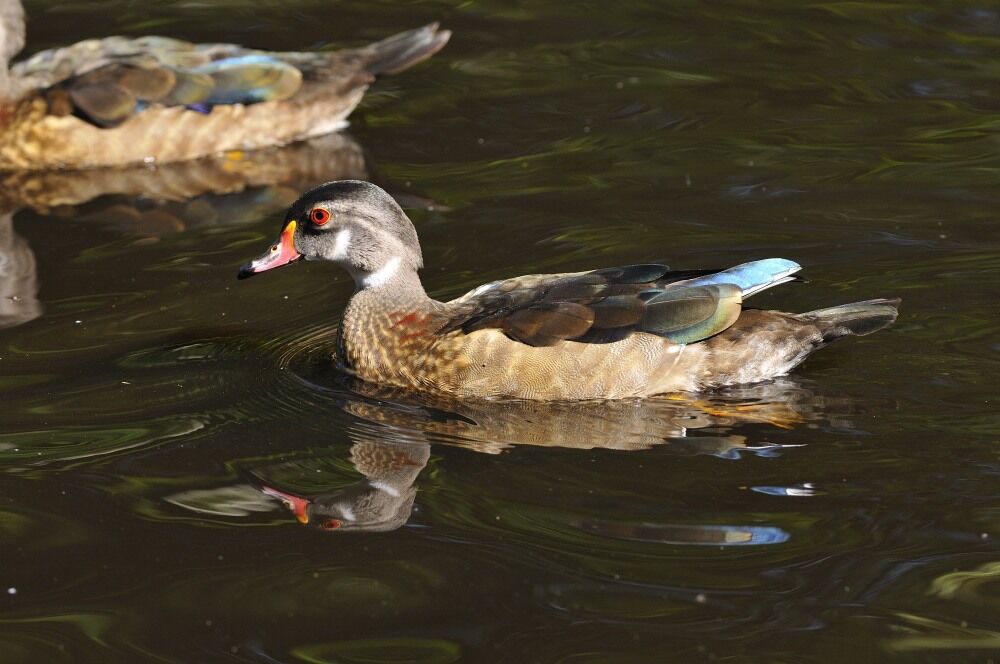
column 690, row 314
column 607, row 305
column 752, row 277
column 109, row 79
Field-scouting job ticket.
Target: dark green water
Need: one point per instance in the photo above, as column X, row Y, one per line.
column 156, row 408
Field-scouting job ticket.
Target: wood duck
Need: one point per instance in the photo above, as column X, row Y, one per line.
column 119, row 100
column 612, row 333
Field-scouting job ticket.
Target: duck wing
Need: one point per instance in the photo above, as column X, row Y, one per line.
column 600, row 306
column 105, row 81
column 607, row 305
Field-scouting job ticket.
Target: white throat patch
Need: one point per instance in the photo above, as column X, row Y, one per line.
column 341, row 244
column 383, row 274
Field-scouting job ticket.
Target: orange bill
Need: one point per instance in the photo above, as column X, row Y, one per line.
column 281, row 253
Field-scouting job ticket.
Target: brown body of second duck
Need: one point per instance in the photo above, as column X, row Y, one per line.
column 633, row 331
column 117, row 101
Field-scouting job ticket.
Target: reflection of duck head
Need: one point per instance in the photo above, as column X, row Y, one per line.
column 18, row 277
column 381, row 502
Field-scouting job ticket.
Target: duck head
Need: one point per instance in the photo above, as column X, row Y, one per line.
column 352, row 223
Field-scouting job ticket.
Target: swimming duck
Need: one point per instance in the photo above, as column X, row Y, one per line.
column 611, row 333
column 115, row 101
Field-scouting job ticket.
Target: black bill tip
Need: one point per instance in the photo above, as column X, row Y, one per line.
column 246, row 271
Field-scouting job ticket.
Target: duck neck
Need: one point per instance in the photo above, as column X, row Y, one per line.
column 395, row 279
column 396, row 284
column 388, row 322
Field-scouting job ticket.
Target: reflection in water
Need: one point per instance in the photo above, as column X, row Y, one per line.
column 234, row 187
column 977, row 587
column 382, row 501
column 704, row 535
column 18, row 278
column 686, row 424
column 925, row 634
column 392, row 436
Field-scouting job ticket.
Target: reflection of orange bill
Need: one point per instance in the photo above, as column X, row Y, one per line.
column 298, row 505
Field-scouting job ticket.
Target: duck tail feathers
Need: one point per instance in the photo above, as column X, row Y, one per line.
column 857, row 318
column 402, row 51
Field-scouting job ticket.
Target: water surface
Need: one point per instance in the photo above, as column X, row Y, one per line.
column 181, row 467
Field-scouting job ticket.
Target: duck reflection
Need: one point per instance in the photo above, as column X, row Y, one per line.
column 382, row 501
column 687, row 424
column 394, row 432
column 18, row 277
column 234, row 187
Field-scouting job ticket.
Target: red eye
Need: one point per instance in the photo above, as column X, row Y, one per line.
column 319, row 216
column 330, row 524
